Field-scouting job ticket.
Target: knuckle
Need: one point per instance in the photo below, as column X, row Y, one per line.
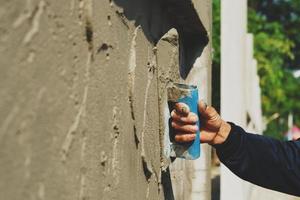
column 173, row 114
column 192, row 128
column 175, row 125
column 193, row 117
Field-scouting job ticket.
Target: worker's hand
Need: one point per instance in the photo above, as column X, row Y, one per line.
column 214, row 130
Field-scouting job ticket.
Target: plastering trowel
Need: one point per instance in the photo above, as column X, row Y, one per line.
column 187, row 94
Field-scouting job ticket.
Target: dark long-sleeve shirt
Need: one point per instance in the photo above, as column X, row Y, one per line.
column 264, row 161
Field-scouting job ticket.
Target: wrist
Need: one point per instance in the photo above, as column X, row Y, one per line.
column 223, row 133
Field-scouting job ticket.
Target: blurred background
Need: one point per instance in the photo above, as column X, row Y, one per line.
column 274, row 25
column 262, row 36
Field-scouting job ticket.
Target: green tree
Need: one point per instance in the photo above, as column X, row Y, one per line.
column 216, row 54
column 287, row 14
column 274, row 53
column 276, row 42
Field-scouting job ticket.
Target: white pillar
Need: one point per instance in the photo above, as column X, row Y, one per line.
column 233, row 51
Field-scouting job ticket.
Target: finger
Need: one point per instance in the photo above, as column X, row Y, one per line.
column 182, row 108
column 191, row 118
column 185, row 137
column 187, row 128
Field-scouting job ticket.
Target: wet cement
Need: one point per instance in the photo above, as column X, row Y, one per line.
column 81, row 89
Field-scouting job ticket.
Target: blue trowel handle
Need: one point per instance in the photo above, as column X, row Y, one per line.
column 189, row 96
column 192, row 102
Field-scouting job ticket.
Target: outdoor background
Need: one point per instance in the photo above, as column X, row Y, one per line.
column 275, row 26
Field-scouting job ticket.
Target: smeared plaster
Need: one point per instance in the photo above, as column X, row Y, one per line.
column 148, row 170
column 83, row 170
column 122, row 18
column 8, row 120
column 115, row 150
column 41, row 191
column 35, row 22
column 73, row 128
column 25, row 15
column 86, row 122
column 131, row 77
column 87, row 9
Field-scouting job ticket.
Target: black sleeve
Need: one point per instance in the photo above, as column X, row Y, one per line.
column 261, row 160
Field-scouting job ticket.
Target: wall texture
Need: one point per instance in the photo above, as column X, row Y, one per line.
column 81, row 92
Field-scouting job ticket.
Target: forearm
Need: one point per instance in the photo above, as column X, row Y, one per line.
column 262, row 161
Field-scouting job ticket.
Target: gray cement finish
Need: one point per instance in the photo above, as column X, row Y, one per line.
column 80, row 95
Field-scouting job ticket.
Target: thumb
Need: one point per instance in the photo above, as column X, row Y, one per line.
column 202, row 106
column 207, row 112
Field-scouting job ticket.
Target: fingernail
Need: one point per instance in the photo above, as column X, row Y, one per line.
column 173, row 113
column 204, row 104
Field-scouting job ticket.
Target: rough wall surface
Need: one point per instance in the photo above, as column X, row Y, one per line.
column 80, row 93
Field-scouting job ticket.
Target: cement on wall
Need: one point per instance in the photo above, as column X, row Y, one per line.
column 80, row 94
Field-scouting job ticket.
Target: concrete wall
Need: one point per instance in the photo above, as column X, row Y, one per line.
column 81, row 85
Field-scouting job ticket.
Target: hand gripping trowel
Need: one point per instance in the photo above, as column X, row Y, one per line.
column 187, row 94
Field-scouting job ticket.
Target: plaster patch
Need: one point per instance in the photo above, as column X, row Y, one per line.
column 171, row 37
column 131, row 77
column 25, row 15
column 27, row 163
column 81, row 10
column 72, row 6
column 7, row 121
column 148, row 171
column 31, row 57
column 82, row 108
column 83, row 170
column 73, row 128
column 35, row 23
column 148, row 191
column 121, row 16
column 109, row 20
column 88, row 11
column 82, row 189
column 103, row 158
column 115, row 151
column 41, row 191
column 104, row 47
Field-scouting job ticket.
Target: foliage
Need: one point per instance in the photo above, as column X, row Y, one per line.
column 276, row 42
column 274, row 51
column 287, row 14
column 216, row 55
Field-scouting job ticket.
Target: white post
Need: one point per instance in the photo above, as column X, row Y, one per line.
column 233, row 103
